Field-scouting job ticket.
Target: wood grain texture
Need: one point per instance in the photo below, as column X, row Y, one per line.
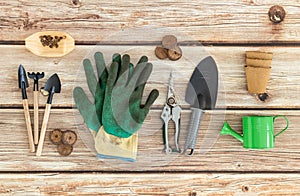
column 150, row 184
column 283, row 87
column 220, row 165
column 93, row 21
column 213, row 152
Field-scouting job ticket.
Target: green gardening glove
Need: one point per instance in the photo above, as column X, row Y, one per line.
column 92, row 112
column 123, row 113
column 107, row 145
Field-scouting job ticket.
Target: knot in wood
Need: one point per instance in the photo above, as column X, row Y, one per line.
column 263, row 96
column 245, row 188
column 193, row 194
column 76, row 3
column 276, row 14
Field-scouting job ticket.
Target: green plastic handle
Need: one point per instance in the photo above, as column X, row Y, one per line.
column 287, row 124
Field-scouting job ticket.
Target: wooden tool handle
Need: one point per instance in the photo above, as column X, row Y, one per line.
column 43, row 130
column 28, row 125
column 36, row 116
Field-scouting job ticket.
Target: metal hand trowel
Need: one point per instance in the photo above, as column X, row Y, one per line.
column 23, row 84
column 202, row 94
column 52, row 85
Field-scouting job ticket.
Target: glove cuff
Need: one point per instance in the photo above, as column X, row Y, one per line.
column 109, row 145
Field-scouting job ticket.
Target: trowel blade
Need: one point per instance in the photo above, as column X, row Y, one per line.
column 22, row 77
column 53, row 84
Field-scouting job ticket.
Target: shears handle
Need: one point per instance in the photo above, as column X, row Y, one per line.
column 166, row 117
column 176, row 118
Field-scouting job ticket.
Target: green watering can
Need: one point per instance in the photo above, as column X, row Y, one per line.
column 258, row 131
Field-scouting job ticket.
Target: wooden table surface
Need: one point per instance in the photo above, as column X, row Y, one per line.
column 220, row 165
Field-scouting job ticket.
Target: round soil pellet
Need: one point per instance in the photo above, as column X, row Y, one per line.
column 175, row 54
column 69, row 137
column 64, row 149
column 169, row 42
column 161, row 52
column 56, row 136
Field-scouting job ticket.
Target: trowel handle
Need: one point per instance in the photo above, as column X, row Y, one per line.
column 194, row 125
column 28, row 125
column 43, row 130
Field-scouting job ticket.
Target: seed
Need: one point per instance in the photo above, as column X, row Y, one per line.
column 51, row 41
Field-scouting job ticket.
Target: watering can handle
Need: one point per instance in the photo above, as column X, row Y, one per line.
column 287, row 124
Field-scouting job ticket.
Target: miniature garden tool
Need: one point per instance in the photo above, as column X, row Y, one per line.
column 36, row 77
column 171, row 111
column 53, row 85
column 201, row 93
column 23, row 84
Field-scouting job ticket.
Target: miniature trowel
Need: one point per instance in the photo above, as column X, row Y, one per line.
column 201, row 93
column 36, row 77
column 23, row 84
column 53, row 85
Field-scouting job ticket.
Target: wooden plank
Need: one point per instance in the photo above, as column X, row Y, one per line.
column 218, row 153
column 150, row 184
column 283, row 86
column 212, row 22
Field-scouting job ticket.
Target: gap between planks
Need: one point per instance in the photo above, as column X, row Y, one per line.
column 183, row 43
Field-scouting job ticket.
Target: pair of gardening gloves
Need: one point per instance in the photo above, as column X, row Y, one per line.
column 116, row 113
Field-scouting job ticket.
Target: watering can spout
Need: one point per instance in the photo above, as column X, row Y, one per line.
column 227, row 130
